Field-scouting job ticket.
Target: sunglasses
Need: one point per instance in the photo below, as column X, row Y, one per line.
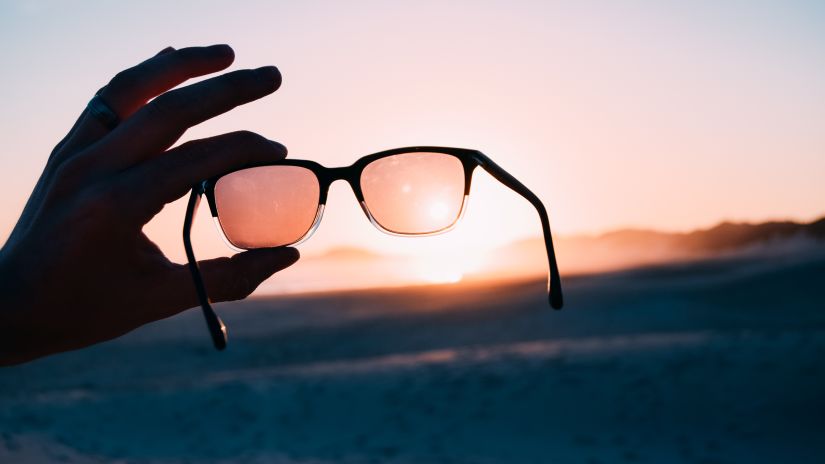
column 413, row 191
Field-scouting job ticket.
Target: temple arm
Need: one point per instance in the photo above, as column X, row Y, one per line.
column 216, row 327
column 554, row 280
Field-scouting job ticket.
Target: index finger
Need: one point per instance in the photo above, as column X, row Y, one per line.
column 168, row 177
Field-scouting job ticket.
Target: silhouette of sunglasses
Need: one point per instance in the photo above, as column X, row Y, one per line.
column 412, row 191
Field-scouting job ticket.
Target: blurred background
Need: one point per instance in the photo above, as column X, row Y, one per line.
column 679, row 148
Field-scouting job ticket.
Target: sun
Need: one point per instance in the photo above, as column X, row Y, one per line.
column 440, row 276
column 443, row 267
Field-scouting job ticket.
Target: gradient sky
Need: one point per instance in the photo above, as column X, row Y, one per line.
column 650, row 114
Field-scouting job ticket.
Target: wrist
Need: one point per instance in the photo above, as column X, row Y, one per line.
column 13, row 310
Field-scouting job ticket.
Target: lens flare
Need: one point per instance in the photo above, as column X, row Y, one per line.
column 414, row 193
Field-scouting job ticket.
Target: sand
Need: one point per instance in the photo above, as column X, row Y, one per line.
column 709, row 362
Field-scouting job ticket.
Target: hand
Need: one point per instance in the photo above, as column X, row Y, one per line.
column 77, row 268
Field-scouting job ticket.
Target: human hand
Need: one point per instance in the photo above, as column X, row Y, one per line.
column 77, row 268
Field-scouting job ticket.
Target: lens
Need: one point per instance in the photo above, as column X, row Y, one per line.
column 414, row 193
column 267, row 206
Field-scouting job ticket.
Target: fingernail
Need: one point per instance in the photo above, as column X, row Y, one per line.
column 222, row 49
column 271, row 75
column 280, row 148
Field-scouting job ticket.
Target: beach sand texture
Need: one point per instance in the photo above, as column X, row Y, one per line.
column 709, row 362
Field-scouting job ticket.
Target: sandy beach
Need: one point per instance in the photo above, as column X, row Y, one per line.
column 716, row 361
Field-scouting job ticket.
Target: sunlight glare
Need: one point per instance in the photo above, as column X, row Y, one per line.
column 444, row 268
column 439, row 210
column 441, row 276
column 437, row 273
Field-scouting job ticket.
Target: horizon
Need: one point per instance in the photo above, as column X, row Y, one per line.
column 524, row 259
column 706, row 117
column 348, row 248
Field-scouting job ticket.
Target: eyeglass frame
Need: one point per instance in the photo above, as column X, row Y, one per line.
column 470, row 160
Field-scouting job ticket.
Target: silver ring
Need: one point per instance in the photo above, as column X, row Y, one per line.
column 104, row 113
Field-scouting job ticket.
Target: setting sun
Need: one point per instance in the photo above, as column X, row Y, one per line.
column 445, row 267
column 441, row 276
column 435, row 271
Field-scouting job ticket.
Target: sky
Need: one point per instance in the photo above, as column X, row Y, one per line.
column 654, row 114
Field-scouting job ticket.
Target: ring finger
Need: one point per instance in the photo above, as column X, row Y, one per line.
column 131, row 89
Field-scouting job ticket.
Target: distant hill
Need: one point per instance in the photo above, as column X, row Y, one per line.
column 634, row 247
column 729, row 236
column 609, row 251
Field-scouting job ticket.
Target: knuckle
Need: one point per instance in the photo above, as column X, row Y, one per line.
column 246, row 134
column 71, row 171
column 240, row 79
column 227, row 282
column 254, row 147
column 166, row 105
column 98, row 202
column 194, row 151
column 188, row 54
column 249, row 138
column 57, row 158
column 239, row 143
column 124, row 80
column 74, row 186
column 241, row 287
column 238, row 85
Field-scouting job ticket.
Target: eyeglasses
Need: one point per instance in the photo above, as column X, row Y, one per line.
column 413, row 191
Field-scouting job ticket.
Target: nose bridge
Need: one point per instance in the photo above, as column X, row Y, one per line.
column 347, row 174
column 338, row 174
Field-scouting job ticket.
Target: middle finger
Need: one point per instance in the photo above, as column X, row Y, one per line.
column 157, row 125
column 132, row 88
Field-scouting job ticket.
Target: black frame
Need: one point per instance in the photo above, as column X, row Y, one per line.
column 470, row 159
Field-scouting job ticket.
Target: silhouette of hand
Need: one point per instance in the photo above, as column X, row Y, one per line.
column 77, row 268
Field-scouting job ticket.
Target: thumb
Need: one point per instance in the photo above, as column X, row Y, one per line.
column 237, row 277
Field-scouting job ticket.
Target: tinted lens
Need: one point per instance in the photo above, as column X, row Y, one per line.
column 267, row 206
column 414, row 193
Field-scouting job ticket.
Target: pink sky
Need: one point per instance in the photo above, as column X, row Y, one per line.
column 646, row 114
